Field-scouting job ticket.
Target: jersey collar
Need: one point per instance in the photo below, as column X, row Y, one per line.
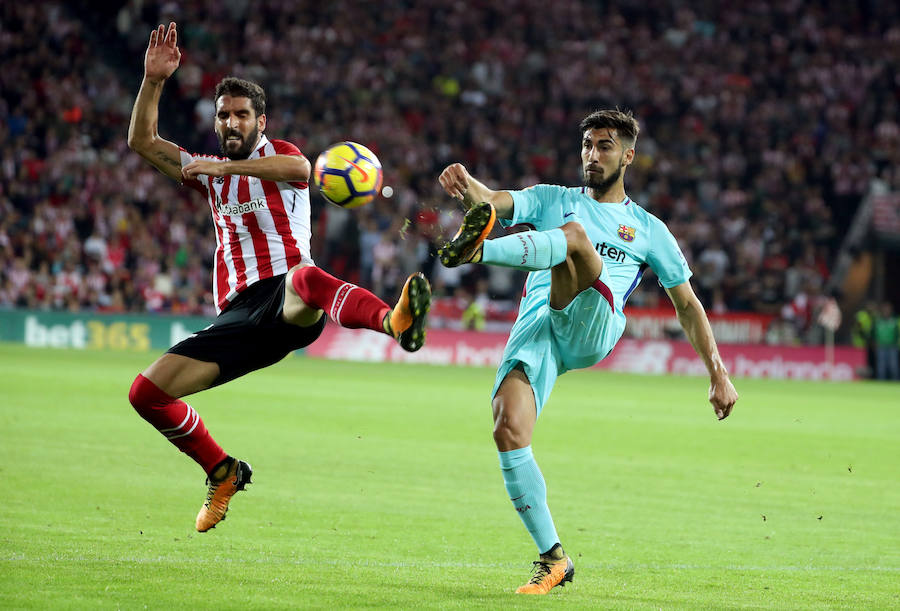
column 262, row 142
column 624, row 202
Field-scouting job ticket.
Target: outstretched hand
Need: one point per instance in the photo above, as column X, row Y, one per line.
column 723, row 396
column 455, row 180
column 162, row 57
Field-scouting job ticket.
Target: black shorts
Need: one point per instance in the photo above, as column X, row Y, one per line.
column 250, row 334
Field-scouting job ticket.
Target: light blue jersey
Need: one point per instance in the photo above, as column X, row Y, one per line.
column 629, row 239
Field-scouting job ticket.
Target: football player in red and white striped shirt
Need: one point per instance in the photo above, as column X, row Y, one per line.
column 270, row 297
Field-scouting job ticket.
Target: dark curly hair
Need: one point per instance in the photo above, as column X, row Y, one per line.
column 240, row 88
column 623, row 122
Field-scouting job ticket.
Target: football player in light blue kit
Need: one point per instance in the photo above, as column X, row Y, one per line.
column 587, row 251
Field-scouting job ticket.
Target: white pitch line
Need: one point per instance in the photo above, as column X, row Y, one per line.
column 443, row 565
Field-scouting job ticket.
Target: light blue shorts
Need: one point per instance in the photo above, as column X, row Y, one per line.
column 549, row 342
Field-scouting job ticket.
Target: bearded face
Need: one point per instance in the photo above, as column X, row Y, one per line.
column 236, row 145
column 596, row 177
column 237, row 126
column 603, row 159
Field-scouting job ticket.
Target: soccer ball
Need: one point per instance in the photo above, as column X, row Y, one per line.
column 348, row 174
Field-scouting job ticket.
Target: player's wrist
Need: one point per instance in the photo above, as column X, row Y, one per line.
column 719, row 377
column 717, row 372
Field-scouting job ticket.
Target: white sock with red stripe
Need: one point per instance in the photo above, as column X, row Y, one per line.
column 346, row 304
column 177, row 421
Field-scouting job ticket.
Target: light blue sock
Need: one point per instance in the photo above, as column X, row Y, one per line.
column 528, row 250
column 528, row 493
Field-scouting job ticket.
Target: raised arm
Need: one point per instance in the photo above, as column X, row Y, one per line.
column 160, row 61
column 693, row 320
column 458, row 183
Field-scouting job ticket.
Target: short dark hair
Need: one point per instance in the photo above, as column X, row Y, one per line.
column 239, row 88
column 623, row 122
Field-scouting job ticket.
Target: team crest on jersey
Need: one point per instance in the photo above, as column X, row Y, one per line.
column 626, row 233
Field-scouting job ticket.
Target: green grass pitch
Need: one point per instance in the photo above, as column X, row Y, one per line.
column 377, row 485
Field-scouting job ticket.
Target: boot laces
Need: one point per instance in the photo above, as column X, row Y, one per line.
column 213, row 487
column 541, row 569
column 210, row 493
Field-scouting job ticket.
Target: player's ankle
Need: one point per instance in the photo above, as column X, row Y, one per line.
column 218, row 473
column 555, row 553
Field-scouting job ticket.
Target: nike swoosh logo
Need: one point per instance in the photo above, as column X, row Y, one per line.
column 568, row 214
column 517, row 498
column 365, row 175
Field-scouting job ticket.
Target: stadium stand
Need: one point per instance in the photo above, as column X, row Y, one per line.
column 764, row 125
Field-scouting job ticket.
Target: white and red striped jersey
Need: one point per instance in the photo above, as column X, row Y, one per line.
column 262, row 226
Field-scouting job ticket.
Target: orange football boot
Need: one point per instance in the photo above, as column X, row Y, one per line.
column 475, row 228
column 553, row 569
column 220, row 493
column 407, row 320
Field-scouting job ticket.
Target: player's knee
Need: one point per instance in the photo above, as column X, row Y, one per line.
column 509, row 433
column 136, row 394
column 300, row 301
column 299, row 278
column 576, row 237
column 144, row 395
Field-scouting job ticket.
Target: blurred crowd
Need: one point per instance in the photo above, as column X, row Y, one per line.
column 763, row 126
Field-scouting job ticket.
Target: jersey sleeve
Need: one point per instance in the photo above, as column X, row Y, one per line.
column 193, row 183
column 665, row 257
column 530, row 206
column 283, row 147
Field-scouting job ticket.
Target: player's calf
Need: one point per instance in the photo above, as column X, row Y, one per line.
column 177, row 421
column 347, row 304
column 526, row 250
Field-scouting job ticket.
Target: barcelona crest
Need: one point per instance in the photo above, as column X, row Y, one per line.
column 626, row 233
